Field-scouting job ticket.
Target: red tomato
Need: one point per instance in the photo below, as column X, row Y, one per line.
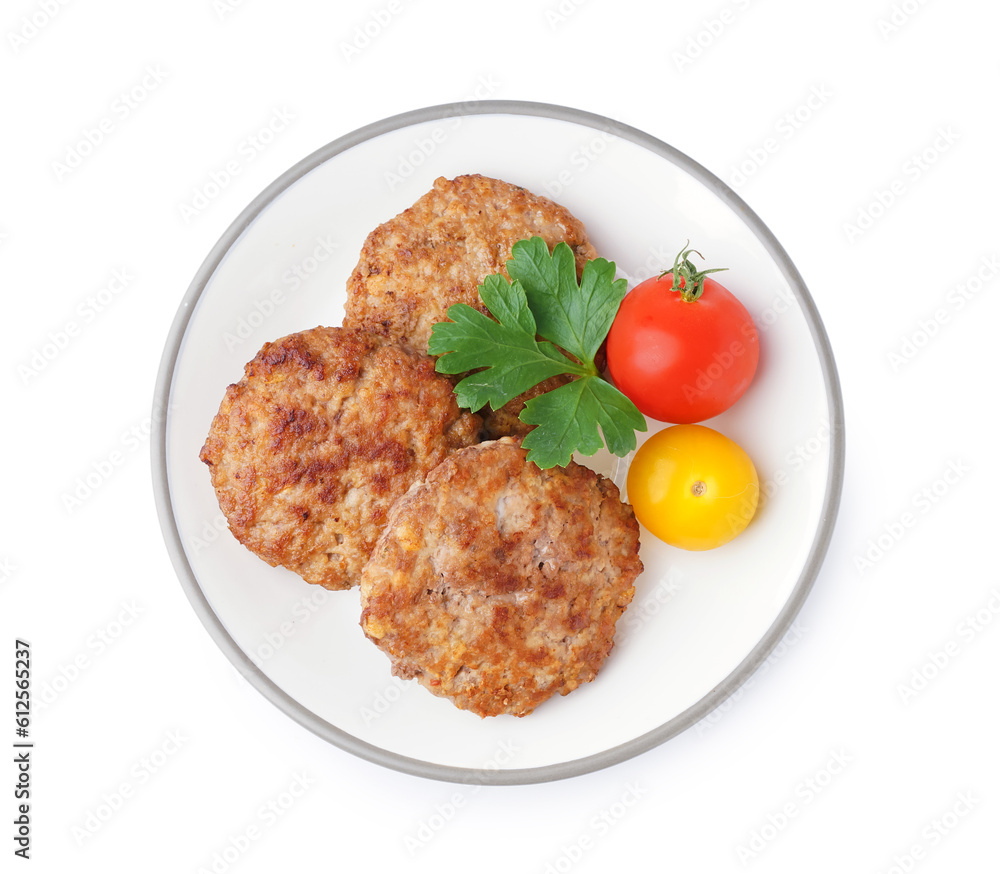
column 682, row 356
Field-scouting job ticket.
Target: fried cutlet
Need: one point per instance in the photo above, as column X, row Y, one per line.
column 437, row 253
column 325, row 430
column 497, row 584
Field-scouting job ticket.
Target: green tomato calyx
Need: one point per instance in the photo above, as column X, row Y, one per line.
column 688, row 279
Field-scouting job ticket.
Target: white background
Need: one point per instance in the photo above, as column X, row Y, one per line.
column 863, row 133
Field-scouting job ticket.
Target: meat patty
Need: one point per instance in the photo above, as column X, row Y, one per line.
column 497, row 584
column 437, row 253
column 325, row 430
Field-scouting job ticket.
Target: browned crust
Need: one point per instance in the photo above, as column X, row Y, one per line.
column 498, row 585
column 437, row 252
column 325, row 430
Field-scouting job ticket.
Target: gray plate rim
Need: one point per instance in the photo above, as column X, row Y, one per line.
column 416, row 767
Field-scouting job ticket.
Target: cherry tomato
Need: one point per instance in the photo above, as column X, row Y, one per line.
column 692, row 487
column 682, row 347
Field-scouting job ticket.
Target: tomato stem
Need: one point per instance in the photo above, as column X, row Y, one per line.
column 687, row 279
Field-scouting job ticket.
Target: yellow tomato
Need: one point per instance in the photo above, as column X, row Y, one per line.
column 693, row 487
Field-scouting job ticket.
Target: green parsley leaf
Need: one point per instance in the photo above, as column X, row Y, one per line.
column 576, row 317
column 537, row 315
column 567, row 419
column 514, row 360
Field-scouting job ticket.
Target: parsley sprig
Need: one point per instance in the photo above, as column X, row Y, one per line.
column 541, row 314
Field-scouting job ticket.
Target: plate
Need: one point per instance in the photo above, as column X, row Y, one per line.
column 700, row 623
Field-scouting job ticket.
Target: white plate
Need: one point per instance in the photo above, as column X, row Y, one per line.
column 700, row 623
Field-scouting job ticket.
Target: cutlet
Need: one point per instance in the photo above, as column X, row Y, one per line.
column 497, row 584
column 438, row 251
column 326, row 429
